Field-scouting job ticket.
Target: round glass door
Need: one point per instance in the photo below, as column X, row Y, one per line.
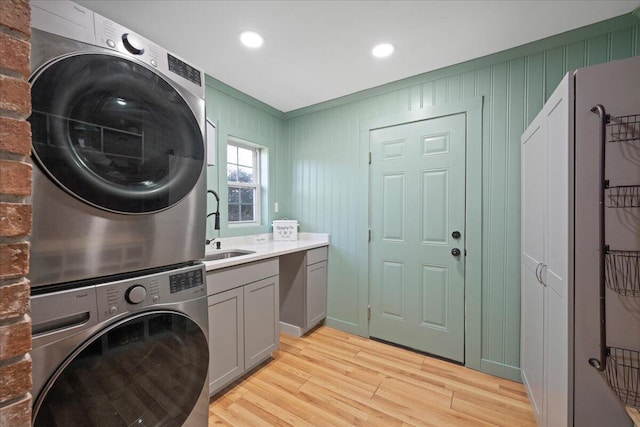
column 114, row 133
column 145, row 371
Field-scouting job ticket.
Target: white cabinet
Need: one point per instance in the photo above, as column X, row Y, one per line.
column 303, row 291
column 243, row 319
column 547, row 147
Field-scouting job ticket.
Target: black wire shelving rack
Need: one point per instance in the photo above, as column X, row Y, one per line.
column 622, row 272
column 624, row 128
column 623, row 375
column 623, row 196
column 619, row 269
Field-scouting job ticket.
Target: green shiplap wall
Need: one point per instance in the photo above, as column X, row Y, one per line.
column 319, row 164
column 238, row 115
column 323, row 159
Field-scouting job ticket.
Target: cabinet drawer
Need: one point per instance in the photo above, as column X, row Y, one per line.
column 317, row 255
column 232, row 277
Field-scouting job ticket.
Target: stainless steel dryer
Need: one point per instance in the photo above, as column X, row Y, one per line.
column 119, row 173
column 127, row 353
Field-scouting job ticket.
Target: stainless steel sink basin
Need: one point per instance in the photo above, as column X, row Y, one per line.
column 231, row 253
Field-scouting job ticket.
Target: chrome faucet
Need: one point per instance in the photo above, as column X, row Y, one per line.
column 216, row 225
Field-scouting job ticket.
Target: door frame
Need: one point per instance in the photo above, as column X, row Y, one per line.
column 472, row 108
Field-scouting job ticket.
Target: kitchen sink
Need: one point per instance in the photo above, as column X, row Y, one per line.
column 230, row 253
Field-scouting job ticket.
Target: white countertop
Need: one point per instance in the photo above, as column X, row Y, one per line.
column 263, row 247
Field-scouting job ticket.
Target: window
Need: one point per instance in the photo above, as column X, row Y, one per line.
column 243, row 179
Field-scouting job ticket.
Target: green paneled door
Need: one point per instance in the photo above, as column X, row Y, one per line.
column 417, row 203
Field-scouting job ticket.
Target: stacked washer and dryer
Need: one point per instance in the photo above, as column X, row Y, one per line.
column 118, row 299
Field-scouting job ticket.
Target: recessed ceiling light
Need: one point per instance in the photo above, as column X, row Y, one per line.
column 383, row 50
column 251, row 39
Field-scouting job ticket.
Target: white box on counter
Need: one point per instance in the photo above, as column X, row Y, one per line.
column 285, row 229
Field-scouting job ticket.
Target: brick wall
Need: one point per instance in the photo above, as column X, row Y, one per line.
column 15, row 213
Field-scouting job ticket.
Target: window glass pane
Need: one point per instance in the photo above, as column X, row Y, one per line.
column 246, row 195
column 245, row 157
column 234, row 212
column 245, row 174
column 232, row 154
column 247, row 213
column 243, row 183
column 234, row 195
column 232, row 173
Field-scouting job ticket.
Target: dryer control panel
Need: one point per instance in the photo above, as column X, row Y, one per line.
column 131, row 295
column 114, row 36
column 70, row 20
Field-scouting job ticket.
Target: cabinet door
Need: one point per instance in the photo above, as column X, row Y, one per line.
column 533, row 341
column 556, row 274
column 316, row 293
column 534, row 181
column 226, row 338
column 261, row 320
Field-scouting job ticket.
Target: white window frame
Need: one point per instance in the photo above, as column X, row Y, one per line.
column 257, row 181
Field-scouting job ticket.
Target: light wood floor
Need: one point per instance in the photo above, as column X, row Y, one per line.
column 331, row 378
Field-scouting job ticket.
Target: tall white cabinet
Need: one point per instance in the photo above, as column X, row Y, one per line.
column 547, row 212
column 580, row 249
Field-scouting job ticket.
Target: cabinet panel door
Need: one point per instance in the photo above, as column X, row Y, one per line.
column 557, row 232
column 534, row 197
column 534, row 183
column 226, row 338
column 556, row 274
column 316, row 293
column 532, row 346
column 557, row 360
column 261, row 320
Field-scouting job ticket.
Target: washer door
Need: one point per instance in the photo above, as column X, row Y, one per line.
column 114, row 134
column 148, row 370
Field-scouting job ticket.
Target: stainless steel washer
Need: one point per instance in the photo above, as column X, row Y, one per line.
column 119, row 173
column 123, row 353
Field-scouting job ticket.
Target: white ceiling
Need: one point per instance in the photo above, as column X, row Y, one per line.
column 315, row 51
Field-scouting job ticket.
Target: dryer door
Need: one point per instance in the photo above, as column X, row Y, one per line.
column 114, row 133
column 149, row 370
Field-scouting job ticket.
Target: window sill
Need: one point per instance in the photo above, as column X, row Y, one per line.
column 244, row 224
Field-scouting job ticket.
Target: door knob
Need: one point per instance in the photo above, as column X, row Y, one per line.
column 456, row 234
column 455, row 252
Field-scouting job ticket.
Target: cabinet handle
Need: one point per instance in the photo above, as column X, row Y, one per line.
column 537, row 275
column 542, row 282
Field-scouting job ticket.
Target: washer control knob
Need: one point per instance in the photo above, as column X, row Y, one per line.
column 133, row 43
column 135, row 294
column 113, row 310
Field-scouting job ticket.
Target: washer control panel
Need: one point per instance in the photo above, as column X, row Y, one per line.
column 130, row 295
